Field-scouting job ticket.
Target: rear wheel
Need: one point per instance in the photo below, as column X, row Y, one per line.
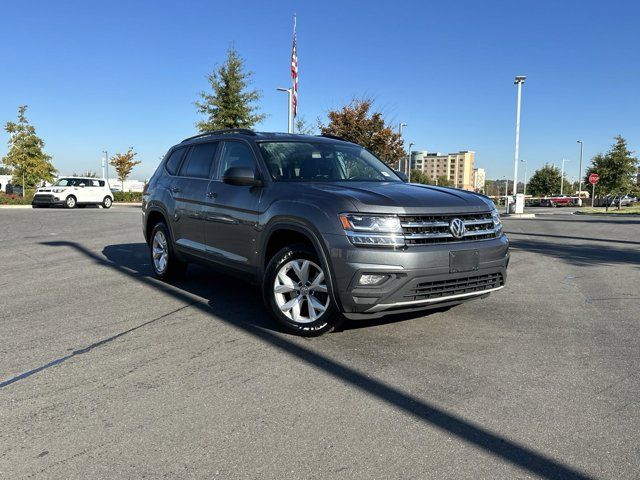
column 296, row 293
column 163, row 259
column 106, row 203
column 70, row 202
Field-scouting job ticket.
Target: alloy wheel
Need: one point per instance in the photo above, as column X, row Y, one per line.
column 300, row 291
column 160, row 252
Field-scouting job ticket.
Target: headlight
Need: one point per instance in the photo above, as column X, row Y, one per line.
column 372, row 230
column 497, row 224
column 58, row 190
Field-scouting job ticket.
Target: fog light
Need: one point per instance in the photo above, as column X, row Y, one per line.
column 371, row 279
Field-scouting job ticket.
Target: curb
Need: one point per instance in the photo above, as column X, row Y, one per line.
column 518, row 215
column 15, row 206
column 597, row 214
column 127, row 204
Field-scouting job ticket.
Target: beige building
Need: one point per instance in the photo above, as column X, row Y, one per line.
column 457, row 167
column 479, row 179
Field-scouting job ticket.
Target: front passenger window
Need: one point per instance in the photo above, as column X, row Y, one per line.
column 236, row 154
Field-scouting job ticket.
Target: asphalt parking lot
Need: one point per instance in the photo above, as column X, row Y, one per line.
column 107, row 373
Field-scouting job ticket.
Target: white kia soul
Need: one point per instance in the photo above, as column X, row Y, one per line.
column 74, row 192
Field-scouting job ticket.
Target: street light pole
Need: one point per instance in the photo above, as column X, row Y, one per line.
column 106, row 163
column 580, row 175
column 519, row 80
column 562, row 176
column 409, row 167
column 289, row 109
column 400, row 127
column 525, row 177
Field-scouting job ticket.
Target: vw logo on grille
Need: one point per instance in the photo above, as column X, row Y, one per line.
column 457, row 228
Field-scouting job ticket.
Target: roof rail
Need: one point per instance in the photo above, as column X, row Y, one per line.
column 244, row 131
column 335, row 137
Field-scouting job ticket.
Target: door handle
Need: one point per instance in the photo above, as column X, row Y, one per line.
column 212, row 194
column 175, row 190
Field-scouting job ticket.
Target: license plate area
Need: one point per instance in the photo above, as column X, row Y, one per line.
column 464, row 261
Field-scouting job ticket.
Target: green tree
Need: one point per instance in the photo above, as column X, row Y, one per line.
column 618, row 169
column 303, row 127
column 229, row 104
column 545, row 181
column 418, row 176
column 5, row 170
column 26, row 157
column 355, row 122
column 124, row 163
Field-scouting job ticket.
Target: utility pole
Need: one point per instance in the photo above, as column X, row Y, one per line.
column 519, row 80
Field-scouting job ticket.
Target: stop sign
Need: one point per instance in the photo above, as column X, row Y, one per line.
column 593, row 178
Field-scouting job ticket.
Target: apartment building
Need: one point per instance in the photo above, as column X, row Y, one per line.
column 479, row 179
column 457, row 167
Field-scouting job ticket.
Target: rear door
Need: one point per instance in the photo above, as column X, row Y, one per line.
column 230, row 231
column 189, row 191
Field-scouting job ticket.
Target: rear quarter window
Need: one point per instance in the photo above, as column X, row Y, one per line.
column 173, row 162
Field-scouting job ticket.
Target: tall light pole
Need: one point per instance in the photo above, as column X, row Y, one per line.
column 289, row 108
column 106, row 162
column 580, row 175
column 524, row 192
column 400, row 127
column 562, row 175
column 409, row 167
column 519, row 80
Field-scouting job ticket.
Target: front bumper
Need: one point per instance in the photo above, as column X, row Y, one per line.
column 418, row 277
column 46, row 199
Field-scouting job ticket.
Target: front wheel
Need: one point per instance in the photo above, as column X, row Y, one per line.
column 70, row 202
column 106, row 203
column 296, row 292
column 163, row 259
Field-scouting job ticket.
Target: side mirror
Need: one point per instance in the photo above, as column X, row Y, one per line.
column 243, row 176
column 402, row 176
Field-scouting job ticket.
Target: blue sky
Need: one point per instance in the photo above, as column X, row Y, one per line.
column 110, row 75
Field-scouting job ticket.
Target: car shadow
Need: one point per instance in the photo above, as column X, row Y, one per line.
column 131, row 260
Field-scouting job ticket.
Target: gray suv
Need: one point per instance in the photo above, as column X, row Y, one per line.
column 327, row 229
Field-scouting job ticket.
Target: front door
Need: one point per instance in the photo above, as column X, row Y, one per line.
column 230, row 227
column 189, row 190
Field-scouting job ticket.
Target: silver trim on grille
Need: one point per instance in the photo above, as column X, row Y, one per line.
column 386, row 306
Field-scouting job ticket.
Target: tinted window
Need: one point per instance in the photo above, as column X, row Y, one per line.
column 173, row 162
column 198, row 163
column 236, row 154
column 101, row 183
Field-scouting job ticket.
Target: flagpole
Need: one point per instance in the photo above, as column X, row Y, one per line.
column 293, row 102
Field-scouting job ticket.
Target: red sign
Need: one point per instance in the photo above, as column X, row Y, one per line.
column 593, row 178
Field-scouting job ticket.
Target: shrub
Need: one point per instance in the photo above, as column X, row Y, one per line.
column 127, row 196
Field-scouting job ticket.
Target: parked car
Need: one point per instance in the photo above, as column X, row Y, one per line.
column 72, row 192
column 327, row 229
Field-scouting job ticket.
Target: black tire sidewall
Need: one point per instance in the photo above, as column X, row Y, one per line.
column 329, row 319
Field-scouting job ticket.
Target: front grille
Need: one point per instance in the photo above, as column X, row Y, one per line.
column 42, row 198
column 456, row 286
column 428, row 229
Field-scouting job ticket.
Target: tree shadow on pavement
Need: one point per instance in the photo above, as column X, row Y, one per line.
column 130, row 260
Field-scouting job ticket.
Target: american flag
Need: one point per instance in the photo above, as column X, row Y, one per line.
column 294, row 72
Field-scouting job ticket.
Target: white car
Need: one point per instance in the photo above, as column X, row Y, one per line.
column 74, row 192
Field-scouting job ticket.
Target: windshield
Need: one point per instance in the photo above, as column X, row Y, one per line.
column 309, row 161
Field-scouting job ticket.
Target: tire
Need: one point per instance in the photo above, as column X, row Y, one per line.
column 107, row 202
column 290, row 296
column 70, row 202
column 163, row 259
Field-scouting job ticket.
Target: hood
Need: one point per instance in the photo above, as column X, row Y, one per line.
column 410, row 198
